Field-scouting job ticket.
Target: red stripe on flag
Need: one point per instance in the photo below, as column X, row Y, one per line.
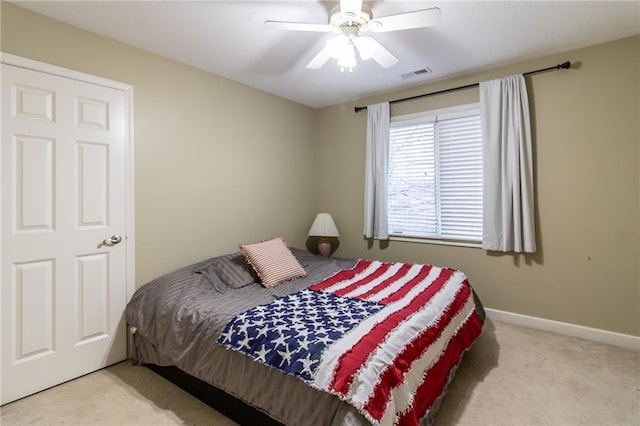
column 342, row 276
column 404, row 269
column 364, row 281
column 353, row 359
column 401, row 292
column 436, row 379
column 394, row 374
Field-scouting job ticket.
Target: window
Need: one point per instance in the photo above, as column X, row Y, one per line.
column 435, row 175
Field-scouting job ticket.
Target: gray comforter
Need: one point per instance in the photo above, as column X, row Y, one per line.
column 179, row 317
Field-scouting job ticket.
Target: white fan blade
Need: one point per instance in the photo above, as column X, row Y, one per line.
column 406, row 21
column 298, row 26
column 383, row 56
column 351, row 6
column 320, row 59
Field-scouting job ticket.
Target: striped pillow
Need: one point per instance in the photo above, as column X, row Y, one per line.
column 273, row 261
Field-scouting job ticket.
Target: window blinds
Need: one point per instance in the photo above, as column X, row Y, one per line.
column 435, row 177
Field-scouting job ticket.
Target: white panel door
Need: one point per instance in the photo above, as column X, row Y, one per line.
column 64, row 282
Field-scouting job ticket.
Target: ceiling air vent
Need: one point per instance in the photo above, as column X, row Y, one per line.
column 416, row 73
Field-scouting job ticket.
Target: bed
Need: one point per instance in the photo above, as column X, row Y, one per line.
column 335, row 346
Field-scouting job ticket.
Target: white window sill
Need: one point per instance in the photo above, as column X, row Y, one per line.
column 421, row 240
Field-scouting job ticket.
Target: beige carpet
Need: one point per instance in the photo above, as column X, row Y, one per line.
column 512, row 376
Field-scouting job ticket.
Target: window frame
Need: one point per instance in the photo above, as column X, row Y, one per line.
column 434, row 115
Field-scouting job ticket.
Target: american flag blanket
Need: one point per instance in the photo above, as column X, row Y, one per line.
column 381, row 336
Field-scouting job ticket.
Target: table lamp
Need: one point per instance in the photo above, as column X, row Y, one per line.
column 324, row 227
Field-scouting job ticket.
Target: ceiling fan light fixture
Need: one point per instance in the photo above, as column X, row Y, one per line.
column 338, row 46
column 366, row 47
column 348, row 58
column 342, row 48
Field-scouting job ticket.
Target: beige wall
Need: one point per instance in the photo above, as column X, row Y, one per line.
column 585, row 125
column 216, row 163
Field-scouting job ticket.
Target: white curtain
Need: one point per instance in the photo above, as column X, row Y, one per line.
column 375, row 180
column 508, row 166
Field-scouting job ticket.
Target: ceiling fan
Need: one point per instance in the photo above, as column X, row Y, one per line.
column 349, row 21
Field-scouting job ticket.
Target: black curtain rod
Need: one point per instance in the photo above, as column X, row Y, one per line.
column 564, row 65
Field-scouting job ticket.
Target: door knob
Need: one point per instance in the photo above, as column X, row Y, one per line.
column 115, row 239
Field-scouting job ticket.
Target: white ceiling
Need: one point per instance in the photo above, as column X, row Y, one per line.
column 228, row 38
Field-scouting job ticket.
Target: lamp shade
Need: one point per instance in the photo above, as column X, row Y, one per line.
column 323, row 226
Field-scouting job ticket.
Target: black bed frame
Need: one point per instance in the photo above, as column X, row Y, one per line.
column 219, row 400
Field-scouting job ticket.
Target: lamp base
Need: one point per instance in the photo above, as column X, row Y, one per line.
column 324, row 248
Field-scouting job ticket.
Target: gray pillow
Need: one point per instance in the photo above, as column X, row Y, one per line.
column 211, row 276
column 227, row 272
column 234, row 271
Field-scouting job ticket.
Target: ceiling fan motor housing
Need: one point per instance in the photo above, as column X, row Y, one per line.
column 349, row 23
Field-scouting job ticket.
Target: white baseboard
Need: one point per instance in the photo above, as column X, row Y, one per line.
column 602, row 336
